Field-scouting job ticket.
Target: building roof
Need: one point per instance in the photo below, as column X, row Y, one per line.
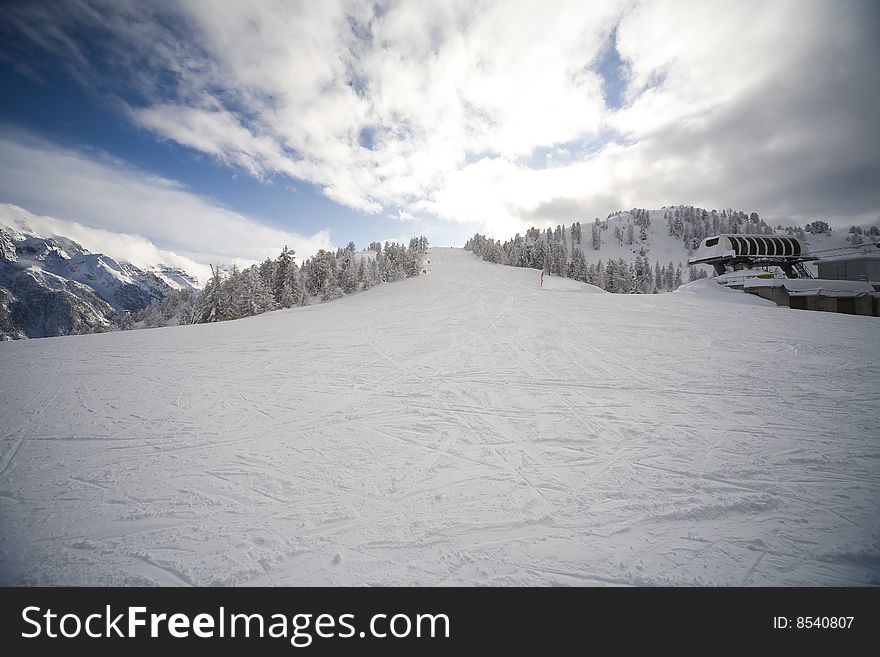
column 811, row 287
column 846, row 257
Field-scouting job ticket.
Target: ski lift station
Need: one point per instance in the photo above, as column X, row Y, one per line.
column 852, row 267
column 756, row 256
column 754, row 251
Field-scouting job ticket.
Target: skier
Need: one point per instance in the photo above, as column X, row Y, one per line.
column 542, row 278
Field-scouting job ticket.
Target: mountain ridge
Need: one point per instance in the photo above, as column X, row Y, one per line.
column 52, row 285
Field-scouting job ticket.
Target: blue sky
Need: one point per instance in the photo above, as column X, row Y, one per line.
column 58, row 108
column 220, row 131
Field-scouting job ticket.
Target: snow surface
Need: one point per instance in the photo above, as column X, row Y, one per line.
column 708, row 288
column 560, row 284
column 466, row 427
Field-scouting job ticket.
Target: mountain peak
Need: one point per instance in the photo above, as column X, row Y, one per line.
column 77, row 290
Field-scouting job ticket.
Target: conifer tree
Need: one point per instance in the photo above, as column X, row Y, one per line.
column 600, row 279
column 281, row 289
column 210, row 302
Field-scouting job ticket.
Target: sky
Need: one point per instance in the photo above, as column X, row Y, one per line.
column 222, row 130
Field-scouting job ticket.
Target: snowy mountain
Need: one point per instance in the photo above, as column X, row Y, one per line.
column 51, row 285
column 464, row 427
column 35, row 303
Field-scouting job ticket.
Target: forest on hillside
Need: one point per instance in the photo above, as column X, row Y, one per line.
column 282, row 283
column 563, row 250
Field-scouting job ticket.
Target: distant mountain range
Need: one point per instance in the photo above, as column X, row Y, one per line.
column 51, row 285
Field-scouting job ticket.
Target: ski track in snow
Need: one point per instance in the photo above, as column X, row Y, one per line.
column 463, row 428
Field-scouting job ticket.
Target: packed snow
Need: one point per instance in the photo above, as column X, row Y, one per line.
column 467, row 427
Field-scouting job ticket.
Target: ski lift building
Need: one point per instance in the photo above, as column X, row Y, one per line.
column 852, row 267
column 754, row 251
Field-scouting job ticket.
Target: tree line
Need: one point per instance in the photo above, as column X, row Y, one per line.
column 282, row 283
column 550, row 251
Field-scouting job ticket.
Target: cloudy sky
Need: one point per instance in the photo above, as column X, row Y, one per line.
column 223, row 129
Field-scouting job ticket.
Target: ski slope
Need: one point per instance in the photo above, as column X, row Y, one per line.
column 463, row 428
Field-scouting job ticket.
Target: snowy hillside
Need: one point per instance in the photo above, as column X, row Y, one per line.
column 462, row 427
column 33, row 268
column 662, row 245
column 645, row 251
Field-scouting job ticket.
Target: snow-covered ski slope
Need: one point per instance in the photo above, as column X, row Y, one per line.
column 465, row 427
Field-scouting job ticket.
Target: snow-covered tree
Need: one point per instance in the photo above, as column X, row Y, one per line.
column 282, row 290
column 578, row 268
column 600, row 279
column 596, row 238
column 210, row 304
column 332, row 290
column 348, row 273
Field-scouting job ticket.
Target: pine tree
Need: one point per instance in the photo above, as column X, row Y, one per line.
column 578, row 266
column 281, row 289
column 624, row 277
column 600, row 279
column 611, row 276
column 642, row 275
column 267, row 275
column 348, row 272
column 331, row 289
column 561, row 258
column 260, row 292
column 373, row 275
column 238, row 295
column 210, row 303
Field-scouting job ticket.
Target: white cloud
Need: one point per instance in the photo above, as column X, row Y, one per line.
column 748, row 105
column 439, row 107
column 116, row 206
column 293, row 88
